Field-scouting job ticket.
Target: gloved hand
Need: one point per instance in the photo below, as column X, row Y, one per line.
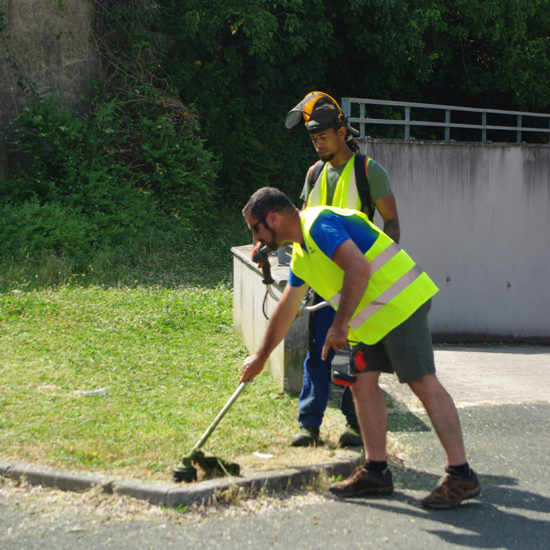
column 259, row 254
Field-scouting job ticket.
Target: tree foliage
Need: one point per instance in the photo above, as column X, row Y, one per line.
column 491, row 54
column 238, row 64
column 193, row 94
column 242, row 65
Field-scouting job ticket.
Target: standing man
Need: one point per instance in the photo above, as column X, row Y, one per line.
column 381, row 297
column 344, row 178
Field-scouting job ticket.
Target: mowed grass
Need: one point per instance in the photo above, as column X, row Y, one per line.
column 121, row 369
column 167, row 360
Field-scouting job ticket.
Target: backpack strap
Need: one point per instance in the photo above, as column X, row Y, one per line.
column 315, row 172
column 362, row 182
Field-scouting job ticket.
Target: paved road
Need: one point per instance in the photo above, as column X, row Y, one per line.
column 504, row 399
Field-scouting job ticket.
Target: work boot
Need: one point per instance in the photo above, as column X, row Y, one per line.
column 305, row 437
column 364, row 482
column 350, row 438
column 452, row 490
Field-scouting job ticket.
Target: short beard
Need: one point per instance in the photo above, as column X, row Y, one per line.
column 273, row 243
column 327, row 158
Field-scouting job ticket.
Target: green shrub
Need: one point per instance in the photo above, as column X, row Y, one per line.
column 100, row 182
column 31, row 230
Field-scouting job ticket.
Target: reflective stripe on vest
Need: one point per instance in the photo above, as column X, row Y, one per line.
column 401, row 284
column 346, row 194
column 383, row 258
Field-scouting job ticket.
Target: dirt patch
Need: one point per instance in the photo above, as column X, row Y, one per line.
column 285, row 456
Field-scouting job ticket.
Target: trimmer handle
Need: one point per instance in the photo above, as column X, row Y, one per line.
column 260, row 255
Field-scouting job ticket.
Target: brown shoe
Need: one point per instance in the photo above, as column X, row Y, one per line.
column 451, row 491
column 363, row 482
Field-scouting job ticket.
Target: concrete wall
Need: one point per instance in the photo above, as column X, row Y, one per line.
column 286, row 361
column 477, row 218
column 51, row 47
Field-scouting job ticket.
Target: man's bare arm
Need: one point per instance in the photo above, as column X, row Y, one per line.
column 279, row 323
column 387, row 208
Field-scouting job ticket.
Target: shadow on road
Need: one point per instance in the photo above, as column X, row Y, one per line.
column 503, row 516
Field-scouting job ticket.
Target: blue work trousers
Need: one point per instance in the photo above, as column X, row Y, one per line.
column 317, row 373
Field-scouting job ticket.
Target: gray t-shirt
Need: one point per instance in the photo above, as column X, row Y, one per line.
column 379, row 182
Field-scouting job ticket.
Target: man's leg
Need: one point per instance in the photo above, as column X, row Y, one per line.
column 347, row 406
column 312, row 402
column 409, row 347
column 443, row 415
column 373, row 477
column 352, row 436
column 460, row 481
column 372, row 414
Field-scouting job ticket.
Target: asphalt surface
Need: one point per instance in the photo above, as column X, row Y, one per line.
column 503, row 395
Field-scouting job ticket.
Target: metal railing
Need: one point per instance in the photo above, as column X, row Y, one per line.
column 349, row 106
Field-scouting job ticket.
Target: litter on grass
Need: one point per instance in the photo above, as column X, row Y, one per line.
column 101, row 392
column 262, row 455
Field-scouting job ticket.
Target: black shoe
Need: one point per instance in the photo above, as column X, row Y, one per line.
column 350, row 438
column 305, row 437
column 364, row 482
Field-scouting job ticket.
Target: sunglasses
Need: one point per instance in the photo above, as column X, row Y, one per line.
column 254, row 228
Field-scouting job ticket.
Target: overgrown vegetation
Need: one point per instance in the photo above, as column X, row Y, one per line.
column 85, row 190
column 102, row 185
column 191, row 101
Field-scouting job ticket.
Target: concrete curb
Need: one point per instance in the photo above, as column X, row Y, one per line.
column 174, row 495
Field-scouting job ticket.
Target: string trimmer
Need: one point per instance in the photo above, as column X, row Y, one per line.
column 186, row 471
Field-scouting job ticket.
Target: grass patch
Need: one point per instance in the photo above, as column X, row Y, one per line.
column 168, row 360
column 121, row 370
column 125, row 380
column 188, row 258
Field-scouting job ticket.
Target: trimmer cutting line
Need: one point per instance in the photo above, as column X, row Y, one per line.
column 186, row 471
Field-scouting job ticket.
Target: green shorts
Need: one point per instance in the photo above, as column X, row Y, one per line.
column 406, row 351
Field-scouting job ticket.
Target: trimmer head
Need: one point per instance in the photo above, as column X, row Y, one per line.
column 184, row 473
column 187, row 472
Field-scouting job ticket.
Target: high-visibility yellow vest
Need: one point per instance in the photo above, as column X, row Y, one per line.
column 346, row 194
column 397, row 287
